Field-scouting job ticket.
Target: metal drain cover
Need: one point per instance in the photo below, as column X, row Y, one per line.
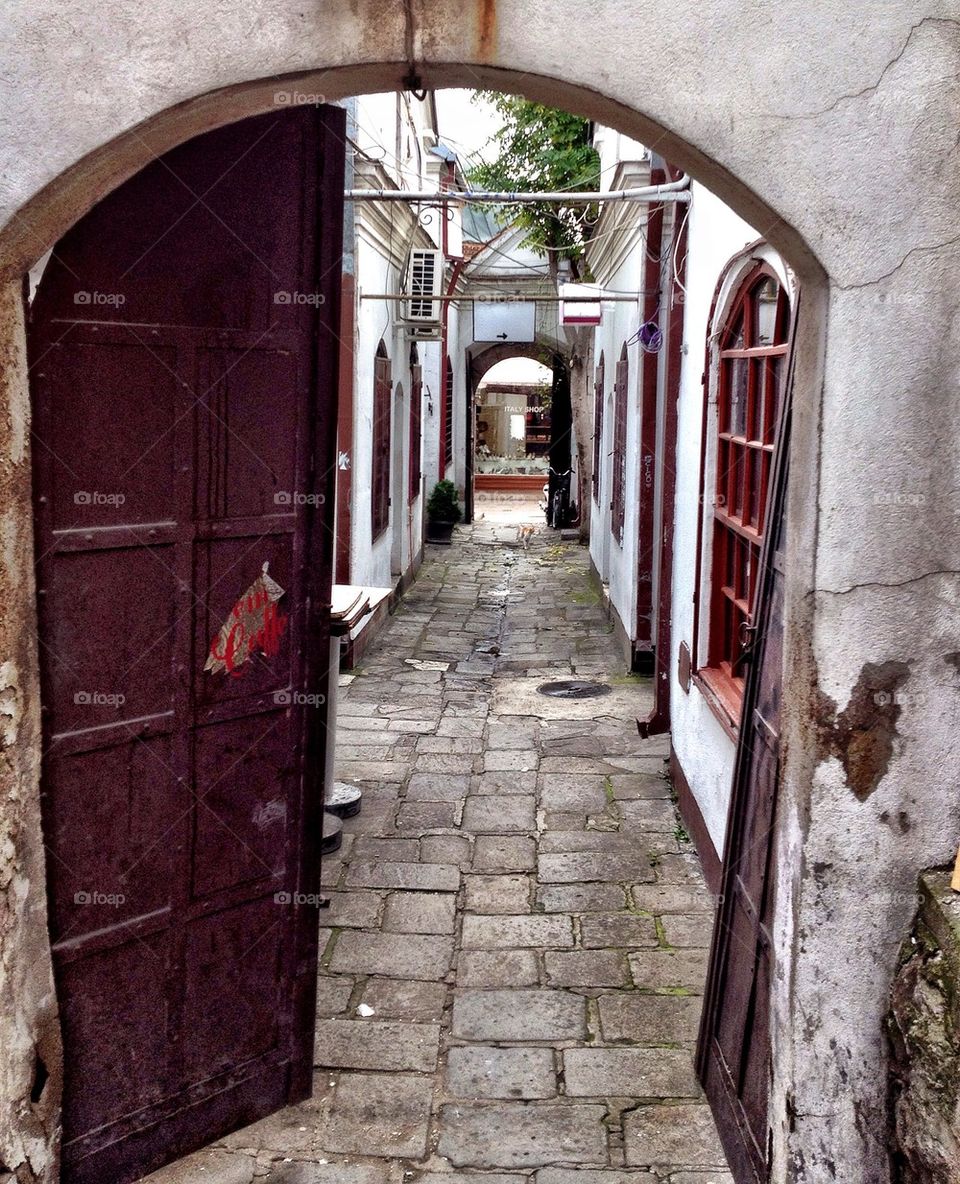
column 574, row 688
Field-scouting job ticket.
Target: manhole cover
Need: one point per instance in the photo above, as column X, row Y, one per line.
column 574, row 688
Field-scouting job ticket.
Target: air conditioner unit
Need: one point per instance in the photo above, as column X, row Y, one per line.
column 424, row 283
column 424, row 332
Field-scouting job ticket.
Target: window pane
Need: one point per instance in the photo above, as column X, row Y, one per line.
column 743, row 569
column 772, row 372
column 765, row 299
column 765, row 478
column 737, row 620
column 734, row 338
column 755, row 416
column 736, row 482
column 722, row 474
column 737, row 377
column 756, row 487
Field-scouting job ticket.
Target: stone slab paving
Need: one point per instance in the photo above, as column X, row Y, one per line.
column 515, row 949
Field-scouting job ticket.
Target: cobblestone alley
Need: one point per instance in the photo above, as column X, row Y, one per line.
column 517, row 939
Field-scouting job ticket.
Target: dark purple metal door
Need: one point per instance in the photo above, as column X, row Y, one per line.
column 733, row 1056
column 184, row 358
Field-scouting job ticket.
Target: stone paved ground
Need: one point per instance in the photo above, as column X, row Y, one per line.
column 512, row 970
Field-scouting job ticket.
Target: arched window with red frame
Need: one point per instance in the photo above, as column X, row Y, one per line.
column 380, row 482
column 753, row 346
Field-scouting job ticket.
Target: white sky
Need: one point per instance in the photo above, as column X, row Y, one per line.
column 467, row 127
column 464, row 125
column 517, row 370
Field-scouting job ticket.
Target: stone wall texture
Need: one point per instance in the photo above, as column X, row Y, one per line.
column 924, row 1029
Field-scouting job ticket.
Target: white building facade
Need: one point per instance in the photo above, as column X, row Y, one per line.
column 399, row 414
column 656, row 454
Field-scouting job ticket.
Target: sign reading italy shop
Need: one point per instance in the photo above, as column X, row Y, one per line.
column 255, row 623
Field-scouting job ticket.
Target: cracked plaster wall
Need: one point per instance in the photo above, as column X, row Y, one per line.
column 835, row 135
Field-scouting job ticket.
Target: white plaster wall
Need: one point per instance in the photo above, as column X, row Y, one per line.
column 703, row 747
column 620, row 322
column 832, row 133
column 617, row 259
column 601, row 540
column 429, row 352
column 432, row 401
column 596, row 509
column 372, row 560
column 369, row 558
column 457, row 470
column 612, row 147
column 390, row 130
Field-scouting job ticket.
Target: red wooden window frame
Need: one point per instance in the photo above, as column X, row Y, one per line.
column 618, row 500
column 752, row 362
column 447, row 414
column 597, row 427
column 416, row 423
column 380, row 483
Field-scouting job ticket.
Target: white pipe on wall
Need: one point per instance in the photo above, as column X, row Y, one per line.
column 676, row 191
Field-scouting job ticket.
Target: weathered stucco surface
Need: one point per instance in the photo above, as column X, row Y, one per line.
column 924, row 1029
column 830, row 129
column 30, row 1052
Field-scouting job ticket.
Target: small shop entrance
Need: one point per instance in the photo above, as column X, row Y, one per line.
column 513, row 428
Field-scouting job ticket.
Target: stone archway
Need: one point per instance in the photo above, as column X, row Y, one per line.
column 848, row 167
column 480, row 359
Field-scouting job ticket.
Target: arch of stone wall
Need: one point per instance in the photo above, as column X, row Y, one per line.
column 848, row 166
column 35, row 218
column 482, row 358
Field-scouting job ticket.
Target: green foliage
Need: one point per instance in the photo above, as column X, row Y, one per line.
column 543, row 393
column 542, row 149
column 443, row 505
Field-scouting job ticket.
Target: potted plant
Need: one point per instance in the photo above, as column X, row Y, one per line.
column 443, row 512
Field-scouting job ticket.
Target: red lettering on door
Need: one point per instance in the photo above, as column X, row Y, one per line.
column 255, row 623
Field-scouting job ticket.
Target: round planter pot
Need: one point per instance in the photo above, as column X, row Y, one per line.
column 439, row 532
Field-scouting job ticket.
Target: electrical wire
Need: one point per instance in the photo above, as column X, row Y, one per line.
column 648, row 335
column 449, row 139
column 606, row 234
column 364, row 153
column 577, row 184
column 401, row 167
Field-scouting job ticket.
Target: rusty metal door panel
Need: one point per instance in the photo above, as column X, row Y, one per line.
column 184, row 355
column 733, row 1055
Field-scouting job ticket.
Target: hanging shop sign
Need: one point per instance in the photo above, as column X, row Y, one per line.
column 582, row 311
column 502, row 318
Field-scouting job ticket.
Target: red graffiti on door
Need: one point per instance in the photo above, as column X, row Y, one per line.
column 255, row 623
